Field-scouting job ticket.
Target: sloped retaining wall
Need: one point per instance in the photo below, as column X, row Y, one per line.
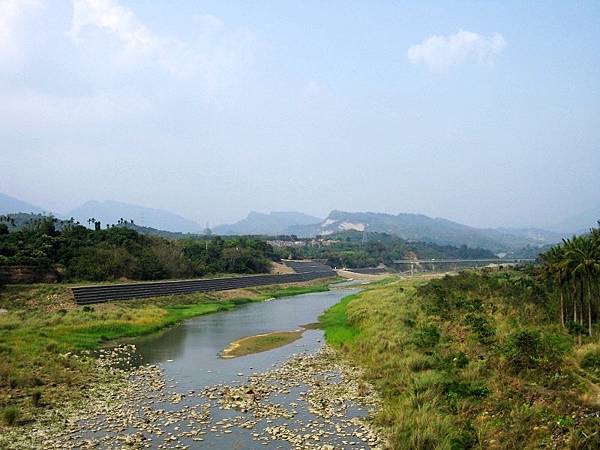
column 86, row 295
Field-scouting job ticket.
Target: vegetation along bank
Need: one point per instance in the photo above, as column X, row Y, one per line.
column 476, row 360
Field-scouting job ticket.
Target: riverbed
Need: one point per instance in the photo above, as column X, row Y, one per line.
column 182, row 394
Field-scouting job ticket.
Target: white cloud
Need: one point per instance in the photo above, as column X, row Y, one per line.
column 11, row 14
column 137, row 43
column 212, row 57
column 439, row 53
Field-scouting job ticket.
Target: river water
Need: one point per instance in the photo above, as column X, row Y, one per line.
column 189, row 353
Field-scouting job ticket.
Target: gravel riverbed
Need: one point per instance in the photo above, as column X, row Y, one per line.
column 311, row 401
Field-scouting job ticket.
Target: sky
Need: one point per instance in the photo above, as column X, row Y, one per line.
column 487, row 113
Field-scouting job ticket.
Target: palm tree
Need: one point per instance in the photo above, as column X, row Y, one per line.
column 574, row 268
column 582, row 259
column 555, row 272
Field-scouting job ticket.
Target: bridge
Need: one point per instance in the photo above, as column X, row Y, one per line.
column 461, row 262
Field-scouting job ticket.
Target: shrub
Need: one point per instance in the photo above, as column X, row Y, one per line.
column 480, row 326
column 464, row 439
column 36, row 398
column 529, row 349
column 591, row 360
column 52, row 347
column 426, row 337
column 586, row 435
column 461, row 360
column 522, row 349
column 460, row 389
column 10, row 415
column 417, row 363
column 575, row 328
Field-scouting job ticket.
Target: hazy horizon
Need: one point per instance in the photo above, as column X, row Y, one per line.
column 484, row 113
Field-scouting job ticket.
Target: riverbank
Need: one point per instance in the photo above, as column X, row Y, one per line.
column 44, row 338
column 470, row 361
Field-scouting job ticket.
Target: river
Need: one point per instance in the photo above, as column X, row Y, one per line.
column 186, row 396
column 189, row 353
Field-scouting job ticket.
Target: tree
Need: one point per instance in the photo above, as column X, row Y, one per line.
column 583, row 260
column 574, row 268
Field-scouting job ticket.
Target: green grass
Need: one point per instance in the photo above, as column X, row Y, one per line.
column 335, row 323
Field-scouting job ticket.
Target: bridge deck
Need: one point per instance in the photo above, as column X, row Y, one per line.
column 463, row 261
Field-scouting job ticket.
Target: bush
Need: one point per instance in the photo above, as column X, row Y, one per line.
column 417, row 363
column 461, row 360
column 464, row 390
column 529, row 349
column 591, row 360
column 465, row 439
column 36, row 398
column 426, row 337
column 52, row 347
column 586, row 436
column 10, row 415
column 480, row 326
column 576, row 329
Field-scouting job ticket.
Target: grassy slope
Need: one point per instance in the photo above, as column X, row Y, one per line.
column 42, row 323
column 447, row 374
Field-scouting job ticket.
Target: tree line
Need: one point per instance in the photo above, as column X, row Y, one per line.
column 80, row 253
column 349, row 249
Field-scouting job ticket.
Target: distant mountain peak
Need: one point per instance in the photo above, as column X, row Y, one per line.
column 272, row 223
column 12, row 205
column 420, row 227
column 110, row 211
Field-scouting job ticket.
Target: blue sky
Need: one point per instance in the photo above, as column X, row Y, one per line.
column 483, row 112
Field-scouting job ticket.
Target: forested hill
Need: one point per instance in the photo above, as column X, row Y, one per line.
column 348, row 249
column 79, row 253
column 115, row 252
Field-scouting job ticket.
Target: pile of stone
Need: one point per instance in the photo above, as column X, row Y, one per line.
column 310, row 402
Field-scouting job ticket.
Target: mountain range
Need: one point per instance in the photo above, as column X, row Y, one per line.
column 109, row 212
column 419, row 227
column 274, row 223
column 407, row 226
column 11, row 205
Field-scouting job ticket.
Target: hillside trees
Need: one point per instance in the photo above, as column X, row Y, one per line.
column 120, row 252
